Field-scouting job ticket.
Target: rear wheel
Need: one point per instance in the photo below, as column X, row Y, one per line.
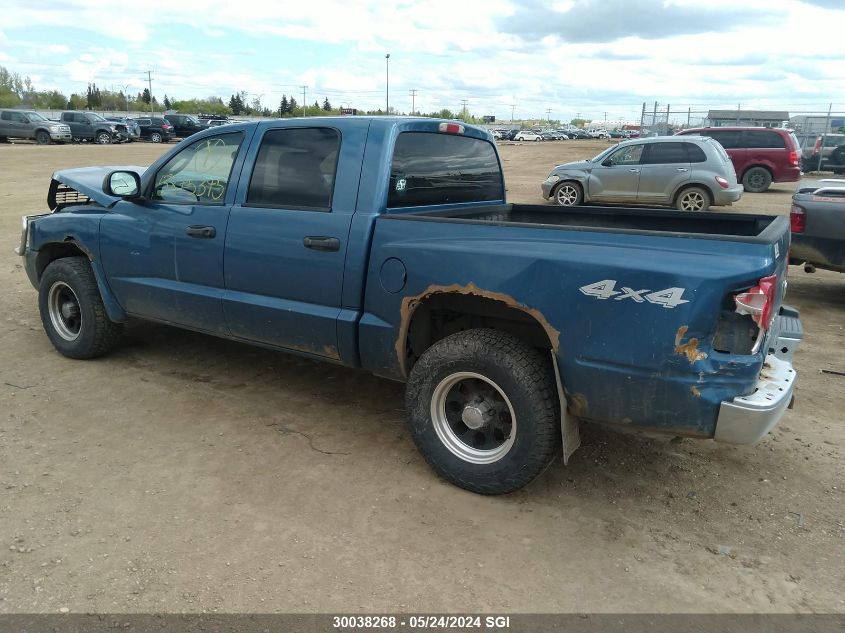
column 757, row 180
column 568, row 194
column 103, row 138
column 483, row 410
column 155, row 137
column 72, row 310
column 693, row 199
column 42, row 137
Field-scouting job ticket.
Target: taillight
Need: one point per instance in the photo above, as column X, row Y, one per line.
column 818, row 145
column 724, row 184
column 793, row 158
column 759, row 301
column 797, row 219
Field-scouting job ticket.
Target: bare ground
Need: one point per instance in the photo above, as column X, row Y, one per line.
column 185, row 473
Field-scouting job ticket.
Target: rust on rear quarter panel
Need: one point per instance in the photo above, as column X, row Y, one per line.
column 410, row 304
column 690, row 348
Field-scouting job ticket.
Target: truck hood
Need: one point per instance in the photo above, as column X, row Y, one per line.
column 89, row 181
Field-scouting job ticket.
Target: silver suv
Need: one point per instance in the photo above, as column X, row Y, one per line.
column 691, row 173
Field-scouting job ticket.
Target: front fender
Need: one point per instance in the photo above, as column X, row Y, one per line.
column 70, row 234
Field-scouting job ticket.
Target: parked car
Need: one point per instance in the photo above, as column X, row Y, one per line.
column 500, row 347
column 579, row 134
column 817, row 221
column 184, row 124
column 691, row 174
column 219, row 122
column 131, row 130
column 599, row 134
column 155, row 129
column 527, row 135
column 29, row 124
column 90, row 126
column 832, row 158
column 760, row 155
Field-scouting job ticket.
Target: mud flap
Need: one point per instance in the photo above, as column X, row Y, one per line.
column 569, row 435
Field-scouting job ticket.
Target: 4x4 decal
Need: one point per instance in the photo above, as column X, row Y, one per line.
column 606, row 289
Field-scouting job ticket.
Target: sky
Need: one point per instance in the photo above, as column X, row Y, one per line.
column 538, row 59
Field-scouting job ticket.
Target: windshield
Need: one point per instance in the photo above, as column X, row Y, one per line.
column 94, row 117
column 34, row 116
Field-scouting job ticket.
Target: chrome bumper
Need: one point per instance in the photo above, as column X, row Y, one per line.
column 26, row 222
column 747, row 419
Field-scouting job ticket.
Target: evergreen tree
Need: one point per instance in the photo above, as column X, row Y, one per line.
column 326, row 105
column 284, row 108
column 292, row 106
column 145, row 96
column 167, row 103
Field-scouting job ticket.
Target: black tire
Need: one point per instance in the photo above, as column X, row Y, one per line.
column 568, row 194
column 67, row 281
column 757, row 179
column 506, row 366
column 693, row 199
column 42, row 137
column 4, row 139
column 155, row 137
column 103, row 138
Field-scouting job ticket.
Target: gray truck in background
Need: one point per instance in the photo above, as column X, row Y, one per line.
column 90, row 126
column 31, row 125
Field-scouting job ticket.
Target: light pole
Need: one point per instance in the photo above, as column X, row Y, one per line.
column 126, row 96
column 387, row 84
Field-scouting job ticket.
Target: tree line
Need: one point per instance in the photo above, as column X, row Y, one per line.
column 17, row 91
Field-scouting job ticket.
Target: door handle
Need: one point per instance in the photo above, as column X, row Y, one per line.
column 201, row 232
column 682, row 169
column 320, row 243
column 633, row 171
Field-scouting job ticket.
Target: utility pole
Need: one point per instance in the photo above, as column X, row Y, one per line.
column 304, row 88
column 387, row 83
column 549, row 115
column 513, row 107
column 150, row 82
column 413, row 94
column 464, row 108
column 824, row 137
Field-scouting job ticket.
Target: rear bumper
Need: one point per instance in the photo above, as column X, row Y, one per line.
column 747, row 419
column 723, row 197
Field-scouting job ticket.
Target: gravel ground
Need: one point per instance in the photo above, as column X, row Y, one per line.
column 184, row 473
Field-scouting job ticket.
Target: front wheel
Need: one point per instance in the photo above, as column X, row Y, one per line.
column 568, row 194
column 483, row 410
column 72, row 310
column 757, row 180
column 103, row 138
column 42, row 137
column 155, row 137
column 693, row 199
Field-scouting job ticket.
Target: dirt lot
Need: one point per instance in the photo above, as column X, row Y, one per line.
column 185, row 473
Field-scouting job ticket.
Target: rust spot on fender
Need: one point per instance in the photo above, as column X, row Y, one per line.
column 578, row 405
column 410, row 304
column 690, row 348
column 694, row 391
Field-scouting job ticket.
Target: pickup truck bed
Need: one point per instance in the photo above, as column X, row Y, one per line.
column 747, row 228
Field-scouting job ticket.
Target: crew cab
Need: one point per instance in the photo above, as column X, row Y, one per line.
column 90, row 126
column 387, row 244
column 29, row 124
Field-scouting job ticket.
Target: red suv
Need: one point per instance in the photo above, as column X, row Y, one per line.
column 760, row 155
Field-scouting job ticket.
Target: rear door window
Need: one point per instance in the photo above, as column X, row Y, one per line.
column 295, row 168
column 694, row 153
column 764, row 140
column 664, row 154
column 430, row 168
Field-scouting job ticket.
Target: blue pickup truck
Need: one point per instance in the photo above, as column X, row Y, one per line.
column 387, row 244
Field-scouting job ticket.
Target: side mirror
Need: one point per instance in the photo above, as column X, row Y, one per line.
column 124, row 184
column 607, row 162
